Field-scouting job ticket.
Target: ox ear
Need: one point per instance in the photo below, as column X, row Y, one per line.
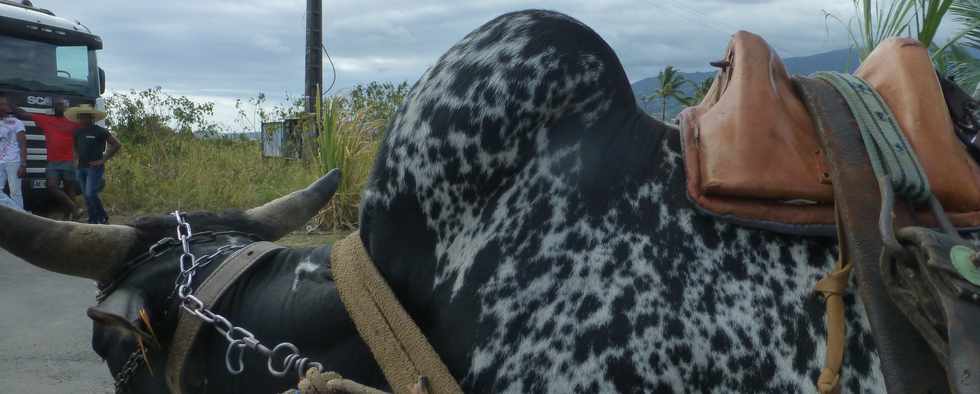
column 125, row 309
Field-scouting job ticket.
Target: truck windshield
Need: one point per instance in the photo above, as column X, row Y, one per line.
column 41, row 67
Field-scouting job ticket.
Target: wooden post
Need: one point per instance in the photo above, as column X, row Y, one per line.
column 314, row 52
column 314, row 77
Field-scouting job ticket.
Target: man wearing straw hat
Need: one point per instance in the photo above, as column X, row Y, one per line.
column 59, row 132
column 92, row 153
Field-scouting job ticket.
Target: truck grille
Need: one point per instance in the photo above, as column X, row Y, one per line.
column 37, row 150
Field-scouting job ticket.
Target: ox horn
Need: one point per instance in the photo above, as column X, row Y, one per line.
column 84, row 250
column 290, row 212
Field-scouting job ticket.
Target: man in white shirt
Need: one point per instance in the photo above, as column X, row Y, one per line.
column 13, row 155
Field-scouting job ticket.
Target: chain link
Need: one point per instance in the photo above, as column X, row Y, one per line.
column 281, row 359
column 127, row 371
column 162, row 247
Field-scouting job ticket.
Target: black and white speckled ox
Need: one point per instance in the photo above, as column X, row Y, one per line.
column 534, row 221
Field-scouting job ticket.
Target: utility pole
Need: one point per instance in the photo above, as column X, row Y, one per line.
column 309, row 125
column 314, row 52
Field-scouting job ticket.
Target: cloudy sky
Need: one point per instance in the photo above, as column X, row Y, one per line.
column 220, row 50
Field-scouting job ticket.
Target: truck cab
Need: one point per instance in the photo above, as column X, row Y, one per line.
column 43, row 57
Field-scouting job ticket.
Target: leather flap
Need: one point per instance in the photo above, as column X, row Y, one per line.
column 902, row 73
column 754, row 134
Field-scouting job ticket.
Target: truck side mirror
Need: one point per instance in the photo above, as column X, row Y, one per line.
column 101, row 81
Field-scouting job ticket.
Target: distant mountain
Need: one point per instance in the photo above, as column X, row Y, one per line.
column 838, row 60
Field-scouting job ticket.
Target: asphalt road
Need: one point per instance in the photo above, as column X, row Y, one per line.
column 45, row 337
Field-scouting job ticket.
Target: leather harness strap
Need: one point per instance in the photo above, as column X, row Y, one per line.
column 398, row 345
column 906, row 361
column 833, row 286
column 179, row 366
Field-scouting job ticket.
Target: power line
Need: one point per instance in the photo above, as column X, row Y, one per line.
column 700, row 18
column 694, row 20
column 697, row 17
column 333, row 71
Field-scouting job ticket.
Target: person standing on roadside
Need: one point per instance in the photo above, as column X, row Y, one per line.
column 91, row 149
column 59, row 132
column 13, row 155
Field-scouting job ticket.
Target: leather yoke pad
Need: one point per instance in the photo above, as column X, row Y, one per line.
column 752, row 155
column 750, row 149
column 757, row 140
column 902, row 73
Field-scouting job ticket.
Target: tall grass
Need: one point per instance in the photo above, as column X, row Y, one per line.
column 179, row 171
column 348, row 140
column 164, row 166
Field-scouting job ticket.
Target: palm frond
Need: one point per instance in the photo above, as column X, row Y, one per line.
column 700, row 90
column 878, row 22
column 931, row 15
column 963, row 67
column 967, row 13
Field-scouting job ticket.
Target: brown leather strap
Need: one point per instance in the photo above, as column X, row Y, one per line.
column 906, row 361
column 833, row 287
column 209, row 292
column 398, row 345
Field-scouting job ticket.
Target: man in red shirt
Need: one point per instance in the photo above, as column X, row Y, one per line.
column 59, row 132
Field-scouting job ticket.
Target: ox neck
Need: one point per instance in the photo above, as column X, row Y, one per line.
column 167, row 246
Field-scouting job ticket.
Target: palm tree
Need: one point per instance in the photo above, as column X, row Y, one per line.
column 700, row 90
column 670, row 88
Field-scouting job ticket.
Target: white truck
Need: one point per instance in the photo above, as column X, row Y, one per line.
column 44, row 56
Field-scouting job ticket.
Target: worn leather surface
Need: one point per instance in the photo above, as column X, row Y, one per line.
column 773, row 215
column 926, row 289
column 752, row 157
column 906, row 361
column 902, row 73
column 754, row 133
column 181, row 376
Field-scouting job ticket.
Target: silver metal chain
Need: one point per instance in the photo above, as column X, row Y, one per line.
column 281, row 359
column 127, row 371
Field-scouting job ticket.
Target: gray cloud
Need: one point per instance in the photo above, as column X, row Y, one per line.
column 221, row 50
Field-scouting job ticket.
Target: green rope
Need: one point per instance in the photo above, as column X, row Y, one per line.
column 890, row 153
